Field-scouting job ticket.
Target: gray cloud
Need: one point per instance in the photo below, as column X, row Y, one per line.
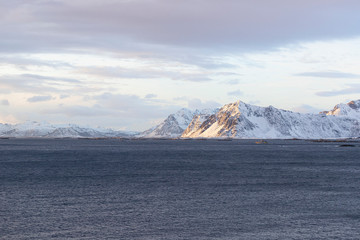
column 39, row 99
column 48, row 78
column 328, row 74
column 24, row 63
column 19, row 83
column 206, row 62
column 351, row 89
column 35, row 26
column 306, row 109
column 132, row 106
column 119, row 72
column 254, row 102
column 236, row 93
column 4, row 102
column 63, row 96
column 180, row 98
column 78, row 110
column 37, row 83
column 196, row 103
column 228, row 74
column 150, row 95
column 192, row 77
column 232, row 82
column 185, row 56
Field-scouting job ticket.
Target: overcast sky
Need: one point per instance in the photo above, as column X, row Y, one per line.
column 127, row 64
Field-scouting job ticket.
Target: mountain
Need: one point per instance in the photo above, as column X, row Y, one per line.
column 351, row 109
column 45, row 130
column 241, row 120
column 175, row 124
column 234, row 120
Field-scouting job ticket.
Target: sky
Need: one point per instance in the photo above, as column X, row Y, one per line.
column 128, row 64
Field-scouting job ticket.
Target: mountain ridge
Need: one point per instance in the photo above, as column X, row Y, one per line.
column 233, row 120
column 33, row 129
column 241, row 120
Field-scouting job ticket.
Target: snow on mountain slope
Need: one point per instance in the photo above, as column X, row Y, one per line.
column 241, row 120
column 174, row 125
column 36, row 129
column 198, row 119
column 351, row 109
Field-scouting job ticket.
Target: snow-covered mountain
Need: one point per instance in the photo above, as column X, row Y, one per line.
column 234, row 120
column 351, row 109
column 241, row 120
column 175, row 124
column 36, row 129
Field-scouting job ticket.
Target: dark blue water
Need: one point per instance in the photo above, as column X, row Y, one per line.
column 146, row 189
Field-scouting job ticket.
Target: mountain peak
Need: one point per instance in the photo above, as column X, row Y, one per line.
column 350, row 109
column 172, row 126
column 233, row 106
column 355, row 104
column 239, row 103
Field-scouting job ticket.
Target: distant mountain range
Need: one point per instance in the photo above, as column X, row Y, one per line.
column 45, row 130
column 241, row 120
column 234, row 120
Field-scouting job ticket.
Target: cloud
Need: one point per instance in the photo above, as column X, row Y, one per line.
column 127, row 73
column 196, row 103
column 231, row 82
column 63, row 96
column 186, row 56
column 306, row 109
column 132, row 106
column 24, row 62
column 351, row 89
column 48, row 26
column 208, row 62
column 4, row 102
column 39, row 99
column 235, row 93
column 328, row 74
column 117, row 72
column 78, row 110
column 38, row 84
column 150, row 95
column 254, row 102
column 183, row 98
column 132, row 110
column 48, row 78
column 231, row 74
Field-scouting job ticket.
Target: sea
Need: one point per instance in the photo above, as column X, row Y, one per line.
column 179, row 189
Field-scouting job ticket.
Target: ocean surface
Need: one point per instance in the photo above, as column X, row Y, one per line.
column 178, row 189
